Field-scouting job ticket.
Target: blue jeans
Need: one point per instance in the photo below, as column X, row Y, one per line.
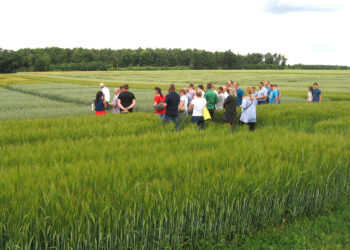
column 171, row 118
column 199, row 120
column 161, row 116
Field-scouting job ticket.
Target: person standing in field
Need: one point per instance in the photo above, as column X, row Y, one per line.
column 316, row 94
column 221, row 98
column 159, row 100
column 189, row 97
column 171, row 104
column 126, row 100
column 273, row 99
column 240, row 94
column 201, row 88
column 192, row 91
column 230, row 105
column 114, row 104
column 211, row 99
column 248, row 115
column 279, row 94
column 105, row 90
column 183, row 102
column 100, row 105
column 262, row 94
column 309, row 95
column 197, row 106
column 268, row 87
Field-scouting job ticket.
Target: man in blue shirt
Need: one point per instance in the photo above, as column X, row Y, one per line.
column 316, row 94
column 273, row 95
column 171, row 105
column 240, row 94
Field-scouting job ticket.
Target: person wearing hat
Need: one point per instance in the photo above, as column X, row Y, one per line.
column 105, row 90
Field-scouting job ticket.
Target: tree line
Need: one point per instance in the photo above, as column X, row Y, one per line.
column 59, row 59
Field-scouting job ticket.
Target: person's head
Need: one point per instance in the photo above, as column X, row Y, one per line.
column 191, row 86
column 267, row 84
column 201, row 87
column 273, row 86
column 121, row 88
column 102, row 85
column 236, row 85
column 158, row 91
column 209, row 86
column 232, row 91
column 172, row 88
column 254, row 89
column 116, row 91
column 229, row 84
column 249, row 92
column 187, row 90
column 311, row 88
column 276, row 86
column 199, row 93
column 126, row 87
column 220, row 90
column 99, row 95
column 261, row 85
column 182, row 92
column 315, row 85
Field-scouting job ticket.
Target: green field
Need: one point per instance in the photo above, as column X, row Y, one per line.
column 77, row 181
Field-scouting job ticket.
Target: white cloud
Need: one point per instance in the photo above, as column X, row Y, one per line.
column 244, row 26
column 286, row 6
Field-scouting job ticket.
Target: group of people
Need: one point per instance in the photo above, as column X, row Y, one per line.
column 123, row 102
column 201, row 103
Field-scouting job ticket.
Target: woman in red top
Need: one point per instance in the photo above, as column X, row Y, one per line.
column 159, row 98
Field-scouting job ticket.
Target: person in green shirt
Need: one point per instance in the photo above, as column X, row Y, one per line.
column 211, row 98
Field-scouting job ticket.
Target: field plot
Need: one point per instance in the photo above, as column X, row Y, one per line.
column 82, row 94
column 15, row 105
column 290, row 80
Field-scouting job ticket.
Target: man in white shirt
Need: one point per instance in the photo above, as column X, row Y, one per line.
column 105, row 90
column 262, row 94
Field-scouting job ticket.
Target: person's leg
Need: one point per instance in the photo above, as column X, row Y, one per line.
column 176, row 120
column 167, row 119
column 211, row 112
column 200, row 123
column 233, row 125
column 251, row 126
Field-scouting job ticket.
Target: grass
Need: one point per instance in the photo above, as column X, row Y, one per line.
column 129, row 182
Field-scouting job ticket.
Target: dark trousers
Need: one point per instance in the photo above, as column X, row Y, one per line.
column 250, row 124
column 211, row 112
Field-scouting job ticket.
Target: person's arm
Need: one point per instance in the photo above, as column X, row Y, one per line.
column 181, row 104
column 132, row 104
column 216, row 99
column 320, row 98
column 105, row 103
column 120, row 105
column 190, row 107
column 276, row 97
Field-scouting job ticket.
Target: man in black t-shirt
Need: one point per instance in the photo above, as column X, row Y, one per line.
column 126, row 100
column 171, row 104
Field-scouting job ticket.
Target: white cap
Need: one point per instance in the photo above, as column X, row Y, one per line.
column 101, row 84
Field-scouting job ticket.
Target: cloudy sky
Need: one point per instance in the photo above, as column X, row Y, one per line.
column 306, row 31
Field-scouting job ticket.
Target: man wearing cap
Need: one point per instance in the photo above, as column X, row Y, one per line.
column 106, row 93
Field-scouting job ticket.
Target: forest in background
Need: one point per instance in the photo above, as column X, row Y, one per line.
column 80, row 59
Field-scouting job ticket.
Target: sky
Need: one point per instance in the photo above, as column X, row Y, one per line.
column 305, row 31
